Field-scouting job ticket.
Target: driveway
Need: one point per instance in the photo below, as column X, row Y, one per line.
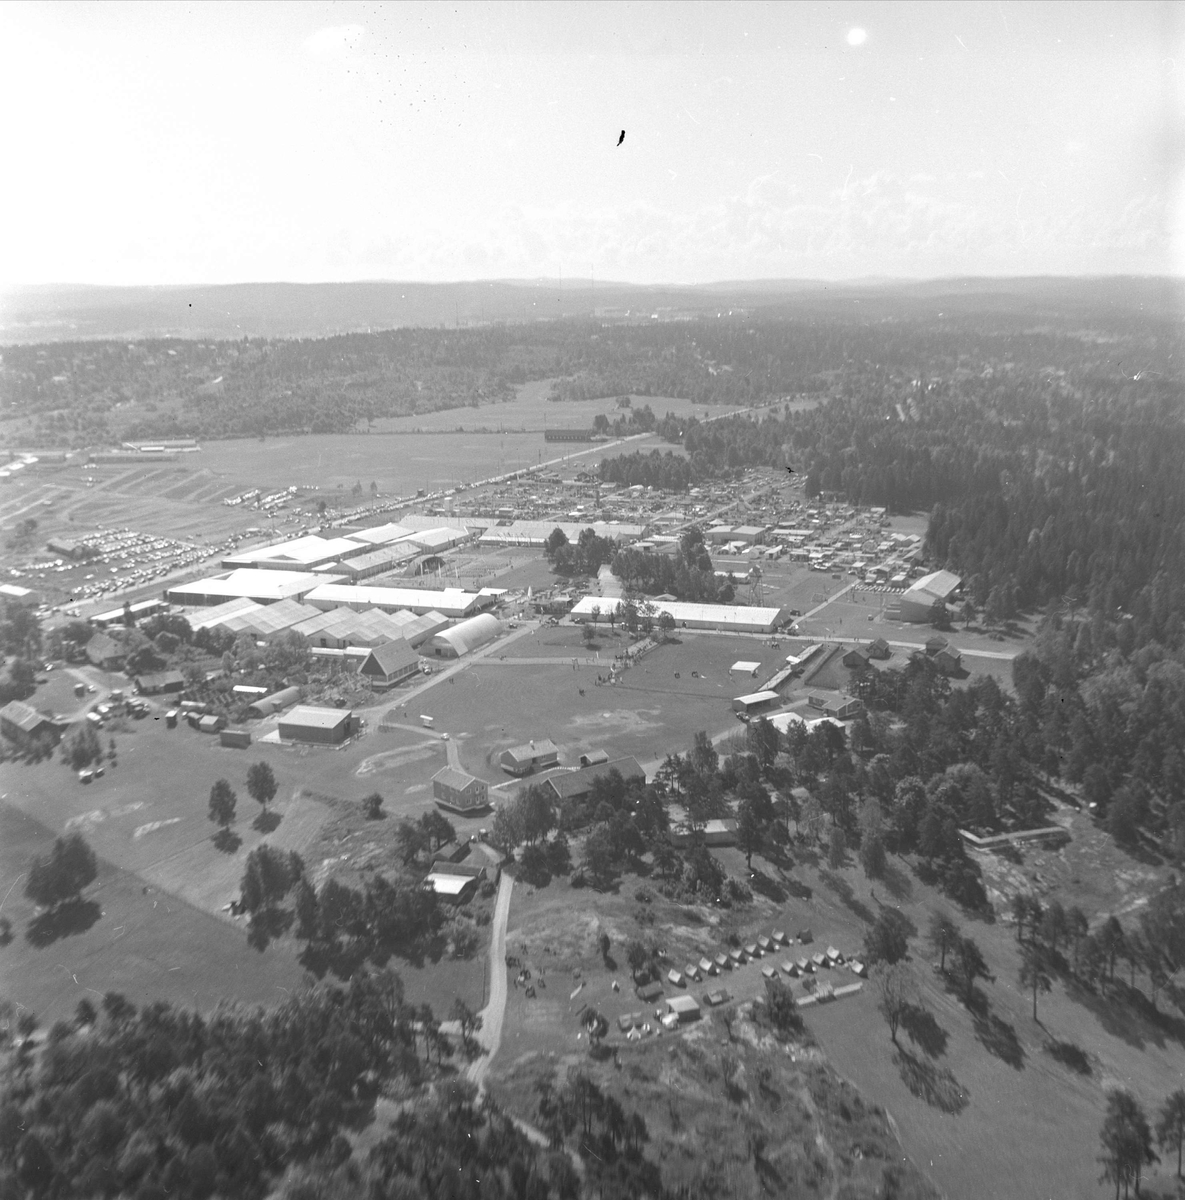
column 490, row 1034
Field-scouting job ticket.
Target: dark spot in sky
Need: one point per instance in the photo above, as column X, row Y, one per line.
column 622, row 138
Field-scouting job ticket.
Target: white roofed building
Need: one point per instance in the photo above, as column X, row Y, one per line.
column 451, row 602
column 466, row 636
column 264, row 587
column 727, row 617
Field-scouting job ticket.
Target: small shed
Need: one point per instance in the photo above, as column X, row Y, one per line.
column 685, row 1008
column 156, row 683
column 211, row 723
column 675, row 977
column 238, row 739
column 531, row 756
column 594, row 758
column 650, row 992
column 745, row 667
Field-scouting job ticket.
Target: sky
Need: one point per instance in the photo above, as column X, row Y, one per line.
column 210, row 143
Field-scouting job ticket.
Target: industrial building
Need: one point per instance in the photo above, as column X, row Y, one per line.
column 535, row 533
column 379, row 535
column 532, row 756
column 390, row 664
column 732, row 618
column 262, row 586
column 467, row 636
column 156, row 683
column 451, row 602
column 459, row 792
column 917, row 604
column 13, row 593
column 299, row 554
column 322, row 726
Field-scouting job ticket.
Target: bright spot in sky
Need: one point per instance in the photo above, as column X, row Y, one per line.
column 857, row 37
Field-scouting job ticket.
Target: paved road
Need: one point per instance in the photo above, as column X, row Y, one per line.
column 490, row 1034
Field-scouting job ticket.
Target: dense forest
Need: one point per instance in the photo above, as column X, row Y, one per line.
column 86, row 392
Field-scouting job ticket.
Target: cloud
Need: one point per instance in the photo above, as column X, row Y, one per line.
column 334, row 40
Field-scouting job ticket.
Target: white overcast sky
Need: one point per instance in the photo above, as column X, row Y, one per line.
column 202, row 143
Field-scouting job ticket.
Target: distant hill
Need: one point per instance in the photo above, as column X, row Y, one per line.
column 70, row 312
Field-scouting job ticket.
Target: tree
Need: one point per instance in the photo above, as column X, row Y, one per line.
column 968, row 965
column 60, row 878
column 506, row 831
column 872, row 855
column 598, row 854
column 222, row 804
column 666, row 623
column 437, row 828
column 411, row 839
column 261, row 783
column 837, row 847
column 603, row 944
column 555, row 540
column 750, row 830
column 373, row 806
column 895, row 992
column 942, row 934
column 268, row 877
column 704, row 759
column 782, row 1008
column 1126, row 1141
column 1170, row 1125
column 1035, row 970
column 468, row 1020
column 637, row 957
column 888, row 939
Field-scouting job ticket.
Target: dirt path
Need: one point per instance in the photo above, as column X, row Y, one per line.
column 490, row 1034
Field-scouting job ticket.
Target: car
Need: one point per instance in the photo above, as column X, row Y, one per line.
column 99, row 771
column 85, row 776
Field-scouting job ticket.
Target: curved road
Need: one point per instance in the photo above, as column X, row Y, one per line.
column 490, row 1033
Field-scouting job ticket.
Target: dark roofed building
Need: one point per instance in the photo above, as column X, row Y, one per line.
column 23, row 724
column 308, row 723
column 879, row 649
column 390, row 664
column 105, row 652
column 577, row 784
column 857, row 658
column 936, row 643
column 154, row 683
column 948, row 660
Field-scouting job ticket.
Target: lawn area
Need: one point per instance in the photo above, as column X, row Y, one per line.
column 143, row 942
column 493, row 705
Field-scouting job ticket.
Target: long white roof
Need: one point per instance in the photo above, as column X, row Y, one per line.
column 452, row 602
column 718, row 614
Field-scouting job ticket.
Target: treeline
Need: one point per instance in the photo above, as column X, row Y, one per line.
column 1111, row 719
column 162, row 1101
column 686, row 575
column 81, row 393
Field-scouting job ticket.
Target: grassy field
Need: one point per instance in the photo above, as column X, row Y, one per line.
column 531, row 409
column 144, row 942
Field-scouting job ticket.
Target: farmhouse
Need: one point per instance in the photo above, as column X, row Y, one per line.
column 324, row 726
column 532, row 756
column 731, row 617
column 466, row 636
column 948, row 660
column 105, row 652
column 857, row 658
column 23, row 724
column 458, row 791
column 575, row 785
column 390, row 664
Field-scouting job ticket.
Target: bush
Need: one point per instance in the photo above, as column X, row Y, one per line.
column 738, row 892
